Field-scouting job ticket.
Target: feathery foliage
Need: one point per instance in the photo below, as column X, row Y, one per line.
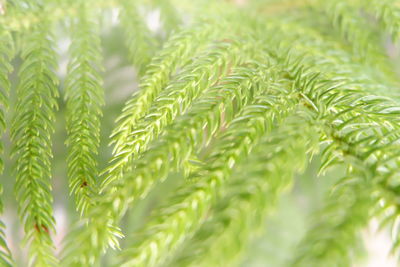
column 31, row 135
column 224, row 232
column 84, row 95
column 236, row 99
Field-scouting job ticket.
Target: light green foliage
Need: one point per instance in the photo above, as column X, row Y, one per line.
column 201, row 73
column 234, row 99
column 171, row 223
column 84, row 96
column 164, row 65
column 259, row 181
column 31, row 135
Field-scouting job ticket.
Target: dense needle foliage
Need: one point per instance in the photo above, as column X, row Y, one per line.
column 234, row 101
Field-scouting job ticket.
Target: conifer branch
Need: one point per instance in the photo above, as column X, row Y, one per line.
column 31, row 135
column 185, row 212
column 190, row 132
column 175, row 99
column 84, row 97
column 229, row 95
column 176, row 51
column 349, row 142
column 259, row 182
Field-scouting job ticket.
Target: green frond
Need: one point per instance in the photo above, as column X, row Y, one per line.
column 175, row 53
column 369, row 143
column 228, row 96
column 202, row 72
column 31, row 136
column 185, row 211
column 259, row 181
column 84, row 97
column 173, row 151
column 190, row 132
column 349, row 139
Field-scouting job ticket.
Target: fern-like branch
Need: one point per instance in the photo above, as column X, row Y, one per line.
column 190, row 132
column 221, row 97
column 175, row 99
column 84, row 96
column 185, row 212
column 31, row 135
column 350, row 142
column 260, row 181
